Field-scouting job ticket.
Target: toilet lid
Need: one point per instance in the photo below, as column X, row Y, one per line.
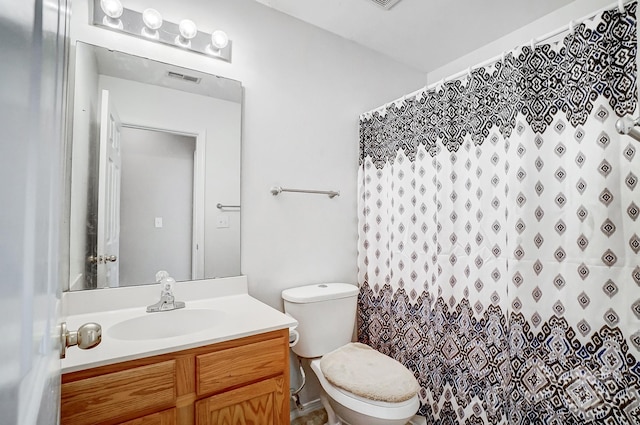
column 363, row 371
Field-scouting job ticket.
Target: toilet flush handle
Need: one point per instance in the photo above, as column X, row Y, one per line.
column 294, row 337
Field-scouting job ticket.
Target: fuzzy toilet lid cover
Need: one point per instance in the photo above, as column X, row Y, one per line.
column 363, row 371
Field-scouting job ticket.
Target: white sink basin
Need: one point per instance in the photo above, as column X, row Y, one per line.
column 166, row 324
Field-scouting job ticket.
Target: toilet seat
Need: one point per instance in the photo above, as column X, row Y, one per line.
column 378, row 409
column 359, row 369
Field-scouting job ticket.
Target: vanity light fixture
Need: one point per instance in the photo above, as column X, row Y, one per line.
column 112, row 10
column 188, row 30
column 219, row 39
column 152, row 22
column 150, row 25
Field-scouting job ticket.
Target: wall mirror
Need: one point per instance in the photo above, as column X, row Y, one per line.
column 155, row 171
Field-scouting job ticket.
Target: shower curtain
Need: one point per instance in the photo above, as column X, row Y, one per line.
column 499, row 235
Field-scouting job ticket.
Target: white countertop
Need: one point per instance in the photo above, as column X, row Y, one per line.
column 243, row 316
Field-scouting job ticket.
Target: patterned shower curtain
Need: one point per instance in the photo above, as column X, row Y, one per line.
column 499, row 251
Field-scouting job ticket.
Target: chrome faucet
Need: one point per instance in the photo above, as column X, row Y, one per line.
column 167, row 300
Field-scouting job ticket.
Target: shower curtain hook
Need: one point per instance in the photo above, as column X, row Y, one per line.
column 503, row 57
column 572, row 28
column 533, row 44
column 621, row 6
column 469, row 72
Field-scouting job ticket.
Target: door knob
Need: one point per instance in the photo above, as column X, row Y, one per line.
column 101, row 259
column 87, row 336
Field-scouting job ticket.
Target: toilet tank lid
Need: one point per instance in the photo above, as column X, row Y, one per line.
column 319, row 292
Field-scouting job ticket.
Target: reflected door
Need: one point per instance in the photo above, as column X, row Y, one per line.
column 110, row 171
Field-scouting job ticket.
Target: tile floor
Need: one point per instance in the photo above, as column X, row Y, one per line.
column 317, row 417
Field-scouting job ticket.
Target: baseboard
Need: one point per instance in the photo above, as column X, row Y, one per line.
column 307, row 408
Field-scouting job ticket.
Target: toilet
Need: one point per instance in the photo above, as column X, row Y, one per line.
column 360, row 386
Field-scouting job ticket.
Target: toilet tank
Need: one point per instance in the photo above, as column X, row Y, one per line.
column 326, row 315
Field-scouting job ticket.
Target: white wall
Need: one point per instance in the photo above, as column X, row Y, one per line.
column 304, row 90
column 561, row 17
column 157, row 182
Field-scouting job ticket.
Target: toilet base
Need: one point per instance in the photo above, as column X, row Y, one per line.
column 340, row 415
column 332, row 418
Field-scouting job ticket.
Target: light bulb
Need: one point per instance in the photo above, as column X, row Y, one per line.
column 219, row 39
column 188, row 29
column 152, row 19
column 112, row 8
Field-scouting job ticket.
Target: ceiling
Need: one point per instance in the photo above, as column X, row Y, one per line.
column 424, row 34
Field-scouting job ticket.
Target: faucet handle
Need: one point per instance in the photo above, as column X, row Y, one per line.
column 167, row 286
column 167, row 300
column 161, row 275
column 166, row 283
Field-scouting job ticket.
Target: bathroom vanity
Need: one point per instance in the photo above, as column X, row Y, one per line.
column 234, row 371
column 244, row 380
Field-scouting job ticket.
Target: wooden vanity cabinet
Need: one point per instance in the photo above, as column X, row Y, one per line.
column 244, row 381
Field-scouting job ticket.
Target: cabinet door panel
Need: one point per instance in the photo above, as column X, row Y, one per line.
column 224, row 369
column 255, row 404
column 119, row 396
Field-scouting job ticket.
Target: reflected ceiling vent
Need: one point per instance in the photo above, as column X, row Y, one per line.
column 385, row 4
column 183, row 77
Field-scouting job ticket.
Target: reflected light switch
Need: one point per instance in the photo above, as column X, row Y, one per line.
column 222, row 221
column 158, row 222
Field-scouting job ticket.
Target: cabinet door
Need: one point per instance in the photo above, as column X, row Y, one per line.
column 235, row 366
column 256, row 404
column 116, row 397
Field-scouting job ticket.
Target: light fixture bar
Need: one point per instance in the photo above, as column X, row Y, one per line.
column 131, row 22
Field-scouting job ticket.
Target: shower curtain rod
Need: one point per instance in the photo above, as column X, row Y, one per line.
column 569, row 27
